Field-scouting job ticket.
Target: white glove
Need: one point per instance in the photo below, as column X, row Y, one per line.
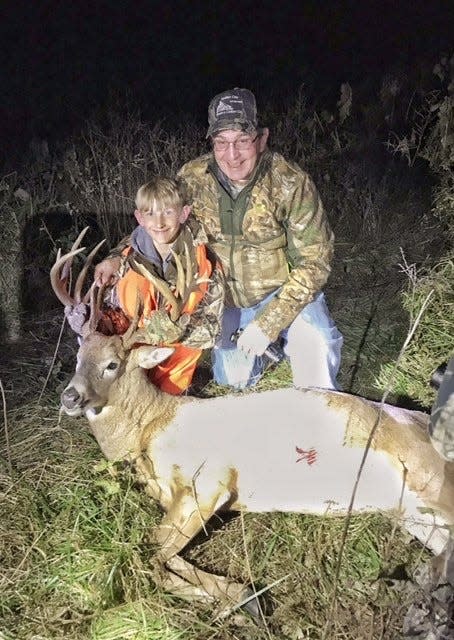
column 253, row 341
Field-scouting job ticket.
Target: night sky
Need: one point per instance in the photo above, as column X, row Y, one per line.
column 63, row 61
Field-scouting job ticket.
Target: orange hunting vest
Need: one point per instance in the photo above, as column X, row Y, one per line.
column 174, row 375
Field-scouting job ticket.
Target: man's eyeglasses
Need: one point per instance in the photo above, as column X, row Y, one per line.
column 240, row 144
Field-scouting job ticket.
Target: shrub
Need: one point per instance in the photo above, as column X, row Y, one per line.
column 431, row 139
column 104, row 167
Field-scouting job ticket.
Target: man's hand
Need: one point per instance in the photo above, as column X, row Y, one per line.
column 106, row 271
column 253, row 341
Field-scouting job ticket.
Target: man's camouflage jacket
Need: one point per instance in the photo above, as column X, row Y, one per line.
column 273, row 237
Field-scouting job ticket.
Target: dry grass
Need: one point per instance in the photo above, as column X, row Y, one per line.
column 105, row 166
column 434, row 340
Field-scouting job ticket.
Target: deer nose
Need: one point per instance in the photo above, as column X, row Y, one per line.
column 71, row 398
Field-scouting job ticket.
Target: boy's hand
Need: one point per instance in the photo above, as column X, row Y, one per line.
column 106, row 271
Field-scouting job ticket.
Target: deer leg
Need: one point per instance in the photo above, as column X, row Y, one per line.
column 217, row 587
column 185, row 518
column 173, row 583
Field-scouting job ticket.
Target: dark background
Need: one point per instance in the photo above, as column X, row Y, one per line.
column 63, row 62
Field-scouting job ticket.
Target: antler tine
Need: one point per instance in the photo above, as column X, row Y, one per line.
column 163, row 288
column 181, row 276
column 187, row 255
column 82, row 275
column 96, row 296
column 132, row 334
column 90, row 326
column 76, row 244
column 187, row 280
column 185, row 277
column 58, row 280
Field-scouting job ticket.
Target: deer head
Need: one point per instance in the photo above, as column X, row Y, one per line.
column 103, row 362
column 101, row 359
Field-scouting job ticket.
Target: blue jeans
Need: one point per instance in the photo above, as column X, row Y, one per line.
column 312, row 343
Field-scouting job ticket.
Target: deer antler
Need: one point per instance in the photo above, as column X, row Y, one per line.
column 132, row 334
column 60, row 272
column 187, row 282
column 60, row 281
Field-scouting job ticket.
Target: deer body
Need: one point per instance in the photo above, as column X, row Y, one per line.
column 287, row 450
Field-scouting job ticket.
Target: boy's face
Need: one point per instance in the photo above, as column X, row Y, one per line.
column 163, row 224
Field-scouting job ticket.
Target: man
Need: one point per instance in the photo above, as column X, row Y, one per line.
column 265, row 221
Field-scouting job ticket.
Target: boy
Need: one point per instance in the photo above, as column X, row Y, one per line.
column 164, row 243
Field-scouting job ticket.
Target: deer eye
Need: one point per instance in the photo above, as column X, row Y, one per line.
column 112, row 366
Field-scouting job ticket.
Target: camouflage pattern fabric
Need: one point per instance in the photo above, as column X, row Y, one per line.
column 273, row 236
column 161, row 330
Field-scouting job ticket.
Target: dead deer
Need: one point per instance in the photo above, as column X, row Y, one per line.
column 289, row 450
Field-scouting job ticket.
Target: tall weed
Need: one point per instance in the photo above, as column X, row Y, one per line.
column 431, row 139
column 105, row 166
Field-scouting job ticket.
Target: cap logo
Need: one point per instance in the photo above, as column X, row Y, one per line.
column 224, row 107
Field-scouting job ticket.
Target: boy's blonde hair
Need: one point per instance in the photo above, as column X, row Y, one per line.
column 160, row 192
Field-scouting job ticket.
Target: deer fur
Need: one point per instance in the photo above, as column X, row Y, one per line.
column 287, row 450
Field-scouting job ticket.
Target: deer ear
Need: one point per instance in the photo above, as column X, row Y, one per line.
column 148, row 356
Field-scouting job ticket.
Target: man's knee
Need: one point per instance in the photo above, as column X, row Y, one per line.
column 314, row 354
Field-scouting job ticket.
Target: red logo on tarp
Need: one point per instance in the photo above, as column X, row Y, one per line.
column 309, row 455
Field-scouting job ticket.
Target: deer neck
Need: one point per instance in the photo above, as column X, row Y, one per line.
column 136, row 411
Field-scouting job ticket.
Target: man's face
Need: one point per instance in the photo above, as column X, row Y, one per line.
column 237, row 153
column 163, row 224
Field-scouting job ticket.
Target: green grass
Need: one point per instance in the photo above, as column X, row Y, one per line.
column 433, row 342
